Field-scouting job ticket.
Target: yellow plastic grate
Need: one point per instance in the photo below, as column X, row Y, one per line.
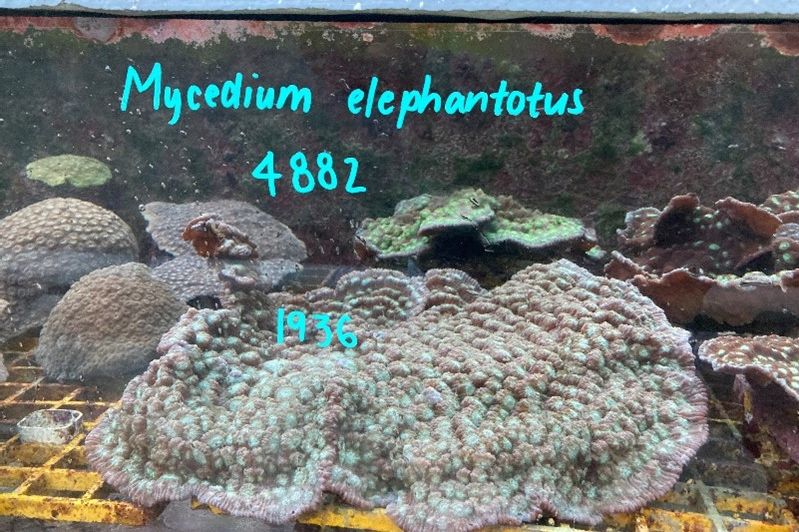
column 53, row 482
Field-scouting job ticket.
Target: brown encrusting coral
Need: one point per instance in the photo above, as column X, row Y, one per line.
column 166, row 223
column 214, row 238
column 768, row 369
column 558, row 391
column 107, row 325
column 770, row 410
column 764, row 358
column 733, row 262
column 49, row 245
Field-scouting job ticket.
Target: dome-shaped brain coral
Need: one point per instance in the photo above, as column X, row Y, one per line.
column 47, row 246
column 58, row 240
column 558, row 390
column 107, row 325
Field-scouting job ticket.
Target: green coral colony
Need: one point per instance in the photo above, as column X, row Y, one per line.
column 418, row 222
column 75, row 170
column 565, row 391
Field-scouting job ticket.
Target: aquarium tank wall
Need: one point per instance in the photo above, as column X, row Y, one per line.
column 381, row 269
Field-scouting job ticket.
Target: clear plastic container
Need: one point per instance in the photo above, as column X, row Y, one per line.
column 52, row 426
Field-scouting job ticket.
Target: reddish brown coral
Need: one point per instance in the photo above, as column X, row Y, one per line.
column 693, row 259
column 642, row 34
column 167, row 221
column 679, row 293
column 635, row 34
column 782, row 37
column 212, row 237
column 770, row 365
column 763, row 358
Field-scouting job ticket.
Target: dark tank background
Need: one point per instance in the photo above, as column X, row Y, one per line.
column 668, row 110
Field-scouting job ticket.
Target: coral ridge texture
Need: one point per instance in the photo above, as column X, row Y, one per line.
column 558, row 391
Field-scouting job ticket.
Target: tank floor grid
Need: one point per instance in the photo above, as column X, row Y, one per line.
column 724, row 489
column 53, row 481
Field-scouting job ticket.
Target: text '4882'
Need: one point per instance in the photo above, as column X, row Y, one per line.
column 303, row 178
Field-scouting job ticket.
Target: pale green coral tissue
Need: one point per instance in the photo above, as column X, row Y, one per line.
column 76, row 170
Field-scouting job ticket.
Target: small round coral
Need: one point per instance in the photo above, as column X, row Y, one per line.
column 107, row 325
